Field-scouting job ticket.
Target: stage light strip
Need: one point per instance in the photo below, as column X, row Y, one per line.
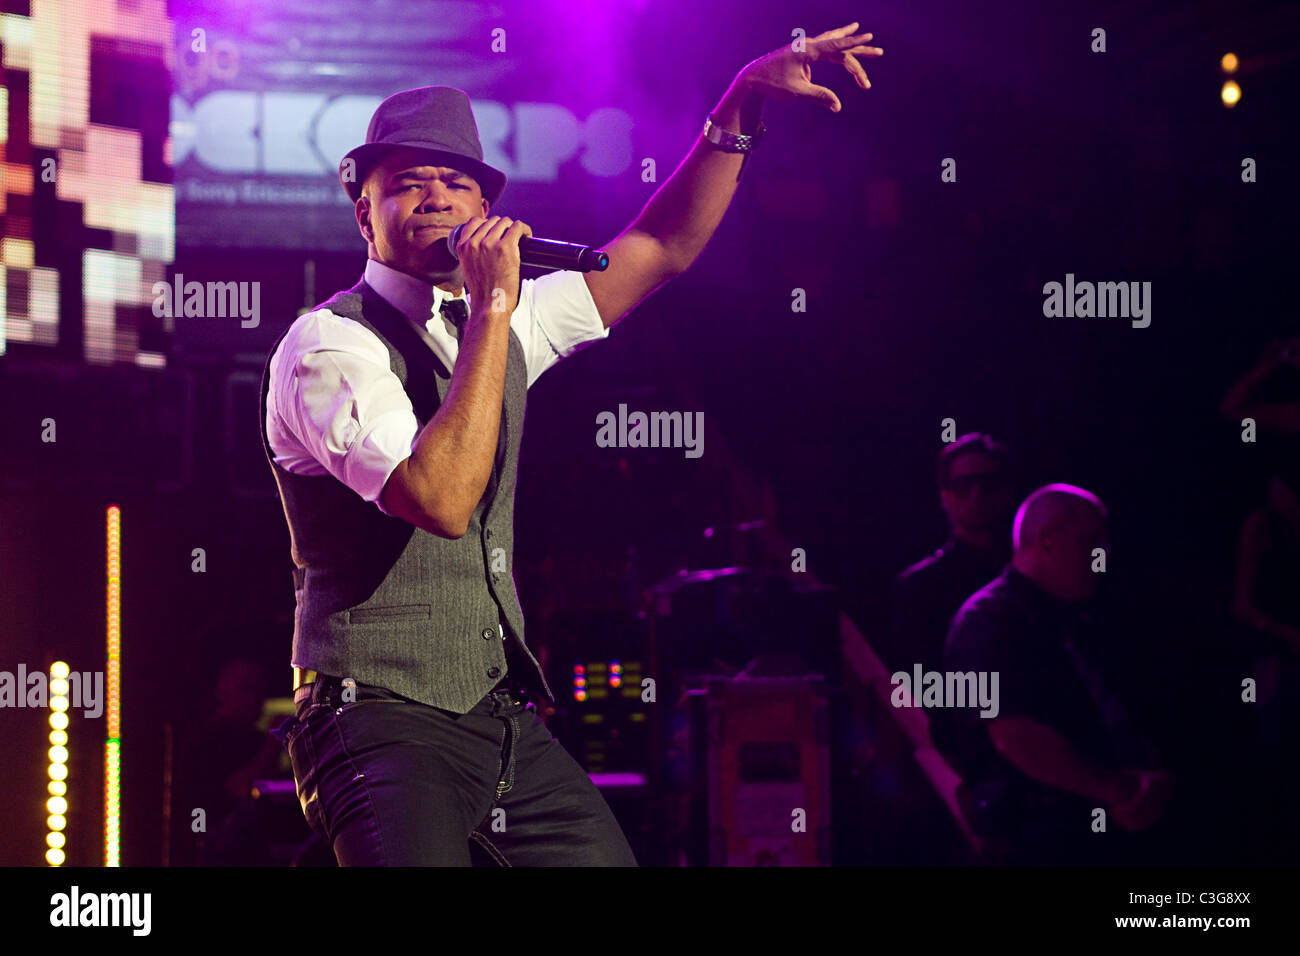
column 57, row 805
column 113, row 745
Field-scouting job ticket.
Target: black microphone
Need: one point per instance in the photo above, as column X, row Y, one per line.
column 548, row 253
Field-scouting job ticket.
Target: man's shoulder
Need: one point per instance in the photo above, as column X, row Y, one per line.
column 562, row 293
column 345, row 303
column 560, row 282
column 991, row 613
column 328, row 327
column 917, row 573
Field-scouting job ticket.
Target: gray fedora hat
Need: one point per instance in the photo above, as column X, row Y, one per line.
column 437, row 119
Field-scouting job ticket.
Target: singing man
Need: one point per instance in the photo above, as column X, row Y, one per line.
column 391, row 415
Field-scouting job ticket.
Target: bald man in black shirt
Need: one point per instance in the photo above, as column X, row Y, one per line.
column 1061, row 747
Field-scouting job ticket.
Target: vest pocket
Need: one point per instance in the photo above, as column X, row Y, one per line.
column 391, row 612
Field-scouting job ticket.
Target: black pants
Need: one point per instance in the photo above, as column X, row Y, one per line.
column 387, row 781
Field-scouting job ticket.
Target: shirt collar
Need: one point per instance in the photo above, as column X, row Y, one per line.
column 418, row 300
column 1038, row 598
column 969, row 554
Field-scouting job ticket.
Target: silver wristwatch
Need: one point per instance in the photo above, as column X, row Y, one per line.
column 730, row 142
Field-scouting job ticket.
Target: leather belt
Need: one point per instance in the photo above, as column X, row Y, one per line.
column 331, row 689
column 304, row 677
column 330, row 685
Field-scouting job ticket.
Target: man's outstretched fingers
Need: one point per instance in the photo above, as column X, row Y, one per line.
column 854, row 67
column 837, row 32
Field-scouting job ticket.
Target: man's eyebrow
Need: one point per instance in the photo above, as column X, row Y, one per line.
column 418, row 172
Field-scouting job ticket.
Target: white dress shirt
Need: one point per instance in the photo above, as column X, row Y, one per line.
column 334, row 406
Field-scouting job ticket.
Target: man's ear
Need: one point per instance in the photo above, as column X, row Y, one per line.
column 486, row 207
column 362, row 211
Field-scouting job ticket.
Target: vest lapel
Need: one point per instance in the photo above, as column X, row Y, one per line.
column 426, row 379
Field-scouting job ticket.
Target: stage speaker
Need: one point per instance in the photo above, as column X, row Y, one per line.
column 760, row 750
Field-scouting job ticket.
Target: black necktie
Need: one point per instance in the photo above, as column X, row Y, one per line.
column 456, row 312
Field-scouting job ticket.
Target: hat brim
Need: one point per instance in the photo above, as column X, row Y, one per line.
column 491, row 181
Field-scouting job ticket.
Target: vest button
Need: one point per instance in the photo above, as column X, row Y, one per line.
column 488, row 633
column 493, row 671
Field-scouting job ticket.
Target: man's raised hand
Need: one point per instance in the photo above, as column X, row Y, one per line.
column 786, row 72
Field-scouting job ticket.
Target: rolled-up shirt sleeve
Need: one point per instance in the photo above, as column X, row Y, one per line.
column 559, row 317
column 346, row 406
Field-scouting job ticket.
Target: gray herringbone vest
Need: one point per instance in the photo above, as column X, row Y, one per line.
column 386, row 603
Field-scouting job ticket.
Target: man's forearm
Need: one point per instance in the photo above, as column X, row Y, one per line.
column 454, row 452
column 686, row 210
column 1041, row 753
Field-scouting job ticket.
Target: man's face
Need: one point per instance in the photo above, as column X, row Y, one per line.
column 407, row 209
column 1068, row 554
column 977, row 495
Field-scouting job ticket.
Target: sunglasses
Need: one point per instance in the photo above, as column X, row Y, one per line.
column 965, row 484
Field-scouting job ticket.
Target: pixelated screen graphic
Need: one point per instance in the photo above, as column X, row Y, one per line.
column 87, row 202
column 268, row 99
